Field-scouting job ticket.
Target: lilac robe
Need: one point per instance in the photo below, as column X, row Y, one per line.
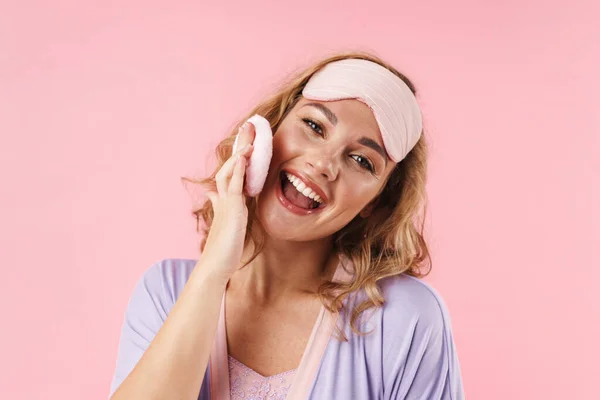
column 410, row 353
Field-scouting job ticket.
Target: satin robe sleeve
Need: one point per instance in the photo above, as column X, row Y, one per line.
column 153, row 297
column 426, row 363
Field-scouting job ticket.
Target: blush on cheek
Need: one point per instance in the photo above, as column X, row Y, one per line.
column 288, row 144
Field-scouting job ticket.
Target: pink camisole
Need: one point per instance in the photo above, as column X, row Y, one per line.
column 247, row 384
column 244, row 381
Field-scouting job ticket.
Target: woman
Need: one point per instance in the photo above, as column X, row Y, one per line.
column 319, row 285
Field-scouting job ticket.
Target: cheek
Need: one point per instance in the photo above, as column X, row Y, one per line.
column 288, row 141
column 354, row 195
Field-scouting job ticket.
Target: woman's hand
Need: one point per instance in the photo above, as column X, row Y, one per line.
column 225, row 242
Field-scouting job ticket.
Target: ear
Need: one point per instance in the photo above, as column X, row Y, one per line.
column 368, row 210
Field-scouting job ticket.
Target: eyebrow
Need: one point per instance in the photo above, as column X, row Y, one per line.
column 375, row 146
column 328, row 113
column 365, row 141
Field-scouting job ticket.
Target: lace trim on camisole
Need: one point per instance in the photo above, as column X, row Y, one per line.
column 247, row 384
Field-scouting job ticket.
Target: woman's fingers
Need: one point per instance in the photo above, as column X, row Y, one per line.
column 225, row 173
column 236, row 185
column 246, row 134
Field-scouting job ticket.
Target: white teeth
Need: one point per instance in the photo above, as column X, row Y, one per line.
column 302, row 188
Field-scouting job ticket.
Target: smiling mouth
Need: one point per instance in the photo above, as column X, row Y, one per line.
column 295, row 197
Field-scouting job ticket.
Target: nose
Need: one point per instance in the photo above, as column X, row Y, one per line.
column 325, row 165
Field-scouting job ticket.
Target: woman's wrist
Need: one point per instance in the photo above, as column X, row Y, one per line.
column 209, row 271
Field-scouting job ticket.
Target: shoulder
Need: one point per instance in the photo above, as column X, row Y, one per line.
column 417, row 330
column 153, row 297
column 419, row 357
column 166, row 278
column 412, row 301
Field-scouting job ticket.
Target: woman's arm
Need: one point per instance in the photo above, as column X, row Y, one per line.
column 174, row 363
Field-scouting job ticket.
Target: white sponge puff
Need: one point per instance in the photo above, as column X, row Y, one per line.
column 258, row 165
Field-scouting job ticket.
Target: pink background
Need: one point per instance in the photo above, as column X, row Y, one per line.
column 104, row 107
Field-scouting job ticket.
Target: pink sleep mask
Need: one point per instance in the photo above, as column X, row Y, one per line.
column 258, row 165
column 389, row 98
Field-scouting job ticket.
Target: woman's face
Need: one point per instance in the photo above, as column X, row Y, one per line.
column 336, row 148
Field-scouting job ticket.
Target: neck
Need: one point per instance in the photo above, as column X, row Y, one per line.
column 284, row 270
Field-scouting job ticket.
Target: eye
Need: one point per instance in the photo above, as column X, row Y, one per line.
column 313, row 125
column 367, row 164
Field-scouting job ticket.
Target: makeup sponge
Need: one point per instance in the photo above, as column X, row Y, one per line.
column 258, row 165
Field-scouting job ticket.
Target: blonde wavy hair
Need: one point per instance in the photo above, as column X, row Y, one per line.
column 390, row 242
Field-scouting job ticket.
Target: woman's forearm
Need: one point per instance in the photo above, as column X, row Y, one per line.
column 174, row 364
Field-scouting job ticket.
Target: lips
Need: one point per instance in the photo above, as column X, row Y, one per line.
column 309, row 183
column 288, row 204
